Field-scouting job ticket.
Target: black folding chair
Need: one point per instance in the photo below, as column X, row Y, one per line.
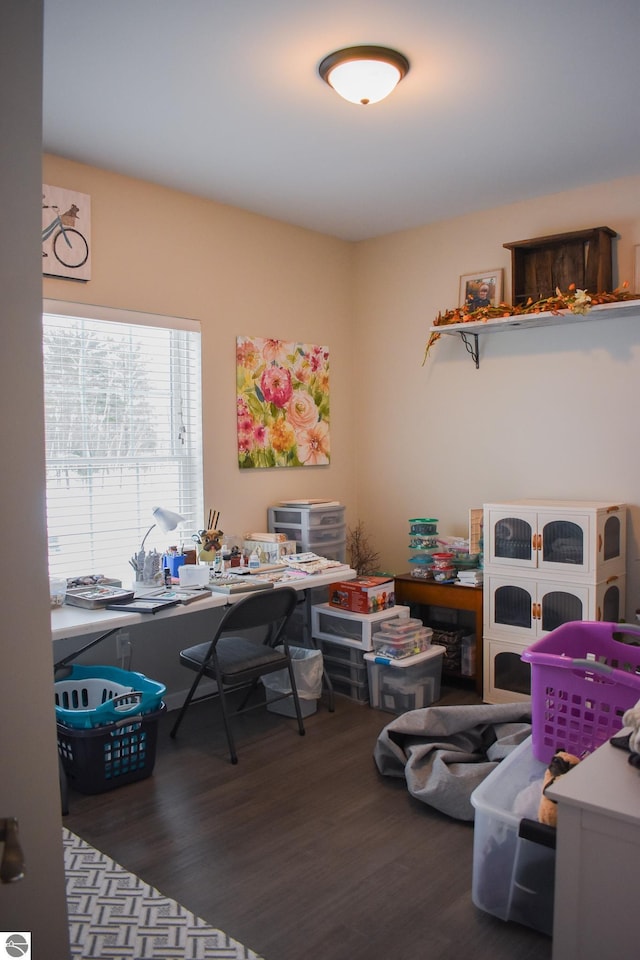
column 235, row 660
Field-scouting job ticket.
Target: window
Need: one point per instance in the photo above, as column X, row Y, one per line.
column 123, row 424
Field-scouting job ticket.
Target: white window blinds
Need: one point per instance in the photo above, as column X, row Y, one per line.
column 123, row 434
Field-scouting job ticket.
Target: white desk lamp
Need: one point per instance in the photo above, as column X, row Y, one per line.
column 165, row 519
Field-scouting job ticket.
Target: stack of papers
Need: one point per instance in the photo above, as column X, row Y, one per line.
column 470, row 578
column 229, row 583
column 312, row 563
column 310, row 503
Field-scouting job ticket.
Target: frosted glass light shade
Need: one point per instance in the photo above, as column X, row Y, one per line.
column 364, row 74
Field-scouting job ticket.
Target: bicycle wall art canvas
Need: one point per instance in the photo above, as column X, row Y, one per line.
column 66, row 233
column 282, row 394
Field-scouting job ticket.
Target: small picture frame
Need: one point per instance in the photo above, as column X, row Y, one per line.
column 481, row 289
column 636, row 265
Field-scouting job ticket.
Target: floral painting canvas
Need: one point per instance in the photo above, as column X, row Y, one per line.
column 282, row 403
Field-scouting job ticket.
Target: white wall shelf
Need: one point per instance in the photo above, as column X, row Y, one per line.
column 620, row 308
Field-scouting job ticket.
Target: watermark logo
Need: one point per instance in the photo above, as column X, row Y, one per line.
column 15, row 945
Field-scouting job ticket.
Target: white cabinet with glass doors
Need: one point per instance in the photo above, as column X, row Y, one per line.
column 526, row 609
column 577, row 540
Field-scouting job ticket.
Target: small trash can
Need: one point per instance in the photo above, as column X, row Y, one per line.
column 307, row 669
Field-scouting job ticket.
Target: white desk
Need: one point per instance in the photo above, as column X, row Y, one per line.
column 597, row 857
column 156, row 639
column 69, row 621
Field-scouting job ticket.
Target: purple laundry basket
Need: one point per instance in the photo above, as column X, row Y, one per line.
column 582, row 681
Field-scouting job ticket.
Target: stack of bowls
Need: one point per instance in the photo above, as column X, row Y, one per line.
column 423, row 543
column 444, row 570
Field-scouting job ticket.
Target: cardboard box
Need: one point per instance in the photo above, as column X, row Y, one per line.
column 363, row 595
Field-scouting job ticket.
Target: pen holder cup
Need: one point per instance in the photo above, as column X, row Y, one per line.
column 173, row 562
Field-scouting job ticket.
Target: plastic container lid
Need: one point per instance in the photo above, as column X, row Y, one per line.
column 432, row 652
column 422, row 636
column 409, row 625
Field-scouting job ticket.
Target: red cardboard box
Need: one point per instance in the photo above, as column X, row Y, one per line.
column 363, row 595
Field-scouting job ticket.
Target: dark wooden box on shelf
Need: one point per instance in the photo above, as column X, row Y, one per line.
column 583, row 257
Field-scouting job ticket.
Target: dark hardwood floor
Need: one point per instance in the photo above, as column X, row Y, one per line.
column 302, row 849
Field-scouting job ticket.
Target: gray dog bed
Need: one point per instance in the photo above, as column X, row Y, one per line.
column 443, row 753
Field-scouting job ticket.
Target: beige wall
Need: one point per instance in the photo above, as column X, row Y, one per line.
column 550, row 413
column 166, row 252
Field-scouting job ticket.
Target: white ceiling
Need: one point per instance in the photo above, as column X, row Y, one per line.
column 505, row 100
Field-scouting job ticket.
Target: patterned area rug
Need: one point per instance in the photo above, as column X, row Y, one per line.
column 113, row 915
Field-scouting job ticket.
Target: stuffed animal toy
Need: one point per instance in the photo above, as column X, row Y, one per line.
column 560, row 764
column 631, row 718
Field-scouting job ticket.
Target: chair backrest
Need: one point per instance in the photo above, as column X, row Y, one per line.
column 264, row 608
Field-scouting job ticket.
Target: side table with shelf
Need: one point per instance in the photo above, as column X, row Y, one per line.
column 429, row 593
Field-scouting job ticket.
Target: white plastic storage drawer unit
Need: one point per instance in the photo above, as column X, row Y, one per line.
column 342, row 662
column 319, row 528
column 330, row 550
column 345, row 667
column 352, row 629
column 513, row 875
column 316, row 537
column 308, row 518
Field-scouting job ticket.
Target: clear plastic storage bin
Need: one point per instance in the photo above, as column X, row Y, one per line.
column 409, row 683
column 397, row 645
column 513, row 877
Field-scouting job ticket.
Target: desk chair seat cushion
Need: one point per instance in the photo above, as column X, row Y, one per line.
column 240, row 658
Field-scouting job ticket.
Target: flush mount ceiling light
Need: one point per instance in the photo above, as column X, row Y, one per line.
column 364, row 74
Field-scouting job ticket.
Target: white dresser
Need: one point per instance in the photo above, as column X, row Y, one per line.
column 597, row 859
